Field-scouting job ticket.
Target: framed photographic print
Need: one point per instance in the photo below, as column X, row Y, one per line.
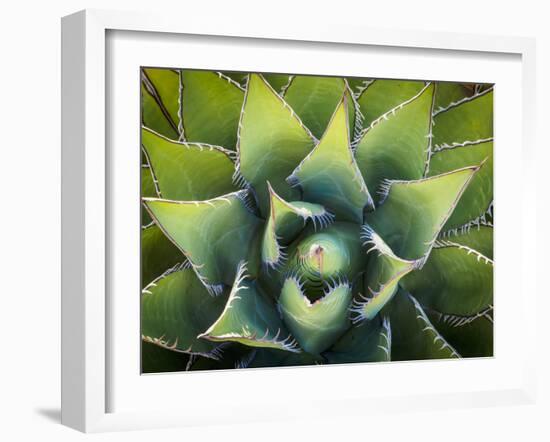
column 302, row 220
column 249, row 212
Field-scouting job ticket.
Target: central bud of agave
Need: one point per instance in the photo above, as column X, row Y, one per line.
column 319, row 260
column 317, row 289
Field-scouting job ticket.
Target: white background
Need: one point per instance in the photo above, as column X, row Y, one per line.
column 30, row 114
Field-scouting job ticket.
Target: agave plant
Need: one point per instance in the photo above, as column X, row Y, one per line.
column 300, row 220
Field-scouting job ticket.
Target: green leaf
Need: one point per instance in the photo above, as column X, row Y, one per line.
column 455, row 280
column 317, row 325
column 471, row 336
column 175, row 308
column 479, row 194
column 272, row 141
column 466, row 120
column 158, row 254
column 397, row 144
column 314, row 100
column 357, row 84
column 479, row 238
column 384, row 271
column 153, row 115
column 188, row 171
column 278, row 81
column 286, row 220
column 413, row 335
column 147, row 190
column 250, row 318
column 238, row 77
column 450, row 92
column 166, row 83
column 211, row 104
column 413, row 212
column 370, row 341
column 155, row 359
column 214, row 235
column 380, row 96
column 329, row 174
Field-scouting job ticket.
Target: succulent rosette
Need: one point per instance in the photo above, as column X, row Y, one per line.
column 300, row 220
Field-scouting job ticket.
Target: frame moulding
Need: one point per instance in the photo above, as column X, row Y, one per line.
column 84, row 200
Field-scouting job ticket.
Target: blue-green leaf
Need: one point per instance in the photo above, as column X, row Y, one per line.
column 250, row 318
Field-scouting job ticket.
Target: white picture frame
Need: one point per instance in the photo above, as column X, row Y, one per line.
column 87, row 211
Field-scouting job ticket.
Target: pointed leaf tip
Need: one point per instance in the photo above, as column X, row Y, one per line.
column 396, row 146
column 314, row 100
column 371, row 341
column 211, row 107
column 414, row 336
column 404, row 203
column 272, row 141
column 383, row 273
column 199, row 229
column 285, row 221
column 470, row 118
column 479, row 194
column 250, row 318
column 169, row 314
column 329, row 174
column 456, row 278
column 315, row 325
column 210, row 176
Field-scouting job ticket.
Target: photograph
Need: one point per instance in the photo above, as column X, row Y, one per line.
column 230, row 221
column 307, row 220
